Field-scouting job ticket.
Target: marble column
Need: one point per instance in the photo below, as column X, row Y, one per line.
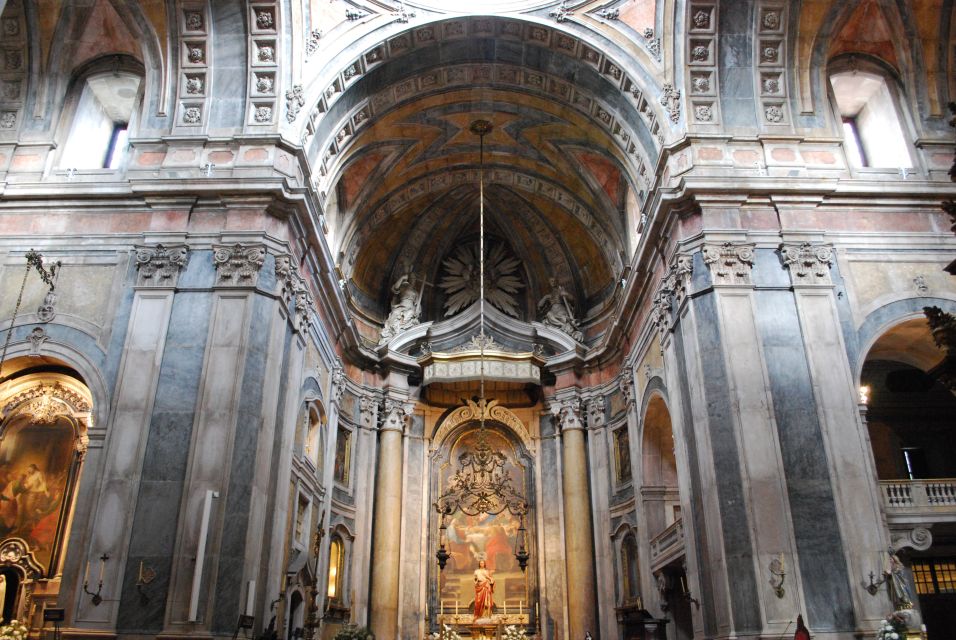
column 386, row 552
column 579, row 536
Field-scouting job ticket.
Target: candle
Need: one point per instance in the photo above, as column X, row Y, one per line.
column 139, row 578
column 86, row 578
column 456, row 607
column 683, row 585
column 441, row 609
column 506, row 605
column 102, row 567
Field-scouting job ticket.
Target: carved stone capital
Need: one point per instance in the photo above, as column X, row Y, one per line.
column 368, row 411
column 338, row 383
column 729, row 263
column 567, row 414
column 160, row 265
column 394, row 415
column 238, row 265
column 595, row 410
column 672, row 291
column 294, row 292
column 809, row 264
column 626, row 385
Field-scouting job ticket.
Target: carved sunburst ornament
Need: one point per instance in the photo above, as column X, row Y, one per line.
column 460, row 282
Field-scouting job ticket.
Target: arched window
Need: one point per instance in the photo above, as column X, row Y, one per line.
column 315, row 436
column 101, row 107
column 336, row 568
column 870, row 114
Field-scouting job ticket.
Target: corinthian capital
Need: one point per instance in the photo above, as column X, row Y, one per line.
column 394, row 415
column 238, row 265
column 808, row 263
column 160, row 265
column 567, row 413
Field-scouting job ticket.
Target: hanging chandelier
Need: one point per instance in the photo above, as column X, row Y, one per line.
column 482, row 485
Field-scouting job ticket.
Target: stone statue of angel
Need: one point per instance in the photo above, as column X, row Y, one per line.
column 406, row 306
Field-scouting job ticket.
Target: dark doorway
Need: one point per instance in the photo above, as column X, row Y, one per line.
column 11, row 591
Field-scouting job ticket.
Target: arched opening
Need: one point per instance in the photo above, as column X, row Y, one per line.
column 315, row 436
column 295, row 629
column 909, row 415
column 45, row 414
column 660, row 499
column 101, row 112
column 868, row 105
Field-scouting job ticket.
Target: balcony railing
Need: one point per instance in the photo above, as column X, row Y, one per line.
column 667, row 545
column 920, row 500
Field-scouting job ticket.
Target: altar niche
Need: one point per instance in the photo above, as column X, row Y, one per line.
column 482, row 538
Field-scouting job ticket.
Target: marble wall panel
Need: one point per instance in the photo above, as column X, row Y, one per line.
column 551, row 524
column 823, row 568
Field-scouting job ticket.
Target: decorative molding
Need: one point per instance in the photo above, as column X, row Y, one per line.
column 770, row 63
column 238, row 265
column 595, row 412
column 15, row 65
column 670, row 99
column 263, row 64
column 295, row 293
column 16, row 552
column 338, row 383
column 160, row 265
column 626, row 385
column 368, row 410
column 294, row 101
column 490, row 410
column 46, row 402
column 809, row 264
column 917, row 538
column 36, row 339
column 701, row 55
column 194, row 62
column 729, row 263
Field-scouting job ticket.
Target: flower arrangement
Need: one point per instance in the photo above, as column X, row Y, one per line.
column 351, row 632
column 513, row 633
column 14, row 631
column 893, row 627
column 446, row 633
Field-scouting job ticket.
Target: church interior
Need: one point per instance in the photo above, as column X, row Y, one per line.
column 477, row 320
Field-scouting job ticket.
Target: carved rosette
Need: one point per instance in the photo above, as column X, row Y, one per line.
column 595, row 410
column 294, row 292
column 394, row 415
column 729, row 263
column 238, row 265
column 567, row 413
column 809, row 264
column 160, row 265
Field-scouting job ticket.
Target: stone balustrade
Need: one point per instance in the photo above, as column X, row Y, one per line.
column 932, row 500
column 668, row 545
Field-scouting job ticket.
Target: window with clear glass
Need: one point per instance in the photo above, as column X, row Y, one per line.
column 99, row 132
column 873, row 131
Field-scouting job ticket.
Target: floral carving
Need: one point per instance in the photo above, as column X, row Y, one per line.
column 8, row 120
column 703, row 112
column 294, row 101
column 312, row 41
column 774, row 114
column 266, row 53
column 263, row 114
column 771, row 20
column 194, row 85
column 294, row 292
column 729, row 263
column 195, row 54
column 769, row 54
column 238, row 264
column 771, row 85
column 671, row 101
column 264, row 83
column 808, row 263
column 192, row 115
column 702, row 19
column 194, row 21
column 264, row 19
column 700, row 84
column 160, row 265
column 700, row 53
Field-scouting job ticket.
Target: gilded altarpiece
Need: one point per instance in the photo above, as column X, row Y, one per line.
column 473, row 537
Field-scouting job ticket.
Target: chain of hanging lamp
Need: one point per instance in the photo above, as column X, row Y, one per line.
column 48, row 275
column 481, row 485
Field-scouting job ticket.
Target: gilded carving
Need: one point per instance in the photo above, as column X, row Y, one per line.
column 474, row 411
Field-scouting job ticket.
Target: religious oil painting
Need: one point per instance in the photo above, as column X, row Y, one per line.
column 36, row 462
column 482, row 577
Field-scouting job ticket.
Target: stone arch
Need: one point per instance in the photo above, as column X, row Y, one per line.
column 473, row 411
